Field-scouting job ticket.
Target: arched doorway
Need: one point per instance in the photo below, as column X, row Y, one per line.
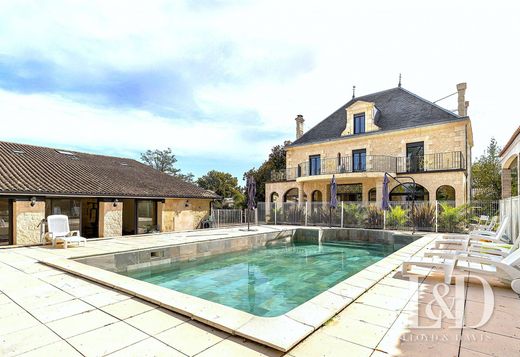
column 316, row 196
column 291, row 195
column 445, row 193
column 372, row 195
column 403, row 193
column 274, row 197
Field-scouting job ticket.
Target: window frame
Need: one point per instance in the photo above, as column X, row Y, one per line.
column 357, row 121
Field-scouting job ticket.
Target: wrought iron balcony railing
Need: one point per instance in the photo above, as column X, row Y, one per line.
column 373, row 163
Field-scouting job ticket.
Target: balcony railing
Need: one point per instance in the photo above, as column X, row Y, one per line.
column 374, row 163
column 443, row 161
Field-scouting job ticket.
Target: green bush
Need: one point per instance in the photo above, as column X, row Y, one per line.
column 353, row 215
column 452, row 219
column 397, row 216
column 374, row 217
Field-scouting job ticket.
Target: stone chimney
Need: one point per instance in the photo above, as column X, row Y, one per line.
column 462, row 103
column 299, row 126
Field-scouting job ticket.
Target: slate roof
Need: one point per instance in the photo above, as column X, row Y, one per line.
column 398, row 109
column 36, row 170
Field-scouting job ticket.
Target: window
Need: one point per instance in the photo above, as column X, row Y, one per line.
column 5, row 221
column 314, row 165
column 404, row 191
column 349, row 192
column 316, row 196
column 69, row 207
column 415, row 157
column 274, row 197
column 359, row 123
column 372, row 195
column 359, row 160
column 146, row 216
column 445, row 193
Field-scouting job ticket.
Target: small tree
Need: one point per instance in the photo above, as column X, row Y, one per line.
column 164, row 161
column 276, row 161
column 485, row 173
column 223, row 184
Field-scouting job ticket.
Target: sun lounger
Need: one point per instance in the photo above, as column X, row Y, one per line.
column 58, row 226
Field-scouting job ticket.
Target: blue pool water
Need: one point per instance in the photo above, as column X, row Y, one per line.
column 267, row 281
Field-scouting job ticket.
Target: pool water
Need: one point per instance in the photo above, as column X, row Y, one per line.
column 267, row 281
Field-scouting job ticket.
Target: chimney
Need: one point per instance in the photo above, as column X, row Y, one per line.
column 299, row 126
column 462, row 103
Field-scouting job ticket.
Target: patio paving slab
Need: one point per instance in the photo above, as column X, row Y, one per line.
column 191, row 337
column 107, row 339
column 236, row 346
column 324, row 345
column 60, row 348
column 128, row 308
column 147, row 348
column 81, row 323
column 26, row 340
column 155, row 321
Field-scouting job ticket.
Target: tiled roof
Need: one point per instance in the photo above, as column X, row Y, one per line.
column 36, row 170
column 398, row 109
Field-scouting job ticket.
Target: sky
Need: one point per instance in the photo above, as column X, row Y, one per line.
column 220, row 82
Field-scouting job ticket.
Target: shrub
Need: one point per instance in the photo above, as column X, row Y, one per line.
column 374, row 217
column 353, row 214
column 397, row 216
column 424, row 216
column 452, row 219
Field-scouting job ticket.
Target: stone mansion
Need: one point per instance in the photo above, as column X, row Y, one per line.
column 393, row 131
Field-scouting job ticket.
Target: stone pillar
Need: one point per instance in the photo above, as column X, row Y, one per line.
column 506, row 183
column 25, row 221
column 379, row 191
column 300, row 192
column 110, row 219
column 166, row 215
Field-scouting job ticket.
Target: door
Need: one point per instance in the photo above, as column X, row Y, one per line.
column 6, row 227
column 314, row 165
column 415, row 157
column 359, row 160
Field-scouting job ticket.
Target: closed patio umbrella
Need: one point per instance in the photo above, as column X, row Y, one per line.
column 333, row 199
column 251, row 194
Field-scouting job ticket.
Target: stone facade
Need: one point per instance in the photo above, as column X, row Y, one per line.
column 26, row 219
column 439, row 138
column 110, row 219
column 181, row 214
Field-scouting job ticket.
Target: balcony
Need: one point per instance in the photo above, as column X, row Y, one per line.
column 444, row 161
column 373, row 163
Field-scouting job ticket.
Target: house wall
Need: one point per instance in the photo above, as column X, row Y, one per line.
column 174, row 215
column 110, row 219
column 26, row 220
column 437, row 139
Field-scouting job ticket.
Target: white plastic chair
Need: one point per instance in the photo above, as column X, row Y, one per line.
column 58, row 226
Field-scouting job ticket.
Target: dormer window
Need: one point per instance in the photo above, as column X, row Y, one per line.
column 359, row 123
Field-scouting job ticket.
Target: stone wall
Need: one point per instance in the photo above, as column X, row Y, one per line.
column 181, row 214
column 26, row 220
column 110, row 219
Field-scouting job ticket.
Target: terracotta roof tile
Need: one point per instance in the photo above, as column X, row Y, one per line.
column 28, row 169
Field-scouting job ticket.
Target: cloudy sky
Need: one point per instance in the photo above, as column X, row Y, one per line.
column 220, row 82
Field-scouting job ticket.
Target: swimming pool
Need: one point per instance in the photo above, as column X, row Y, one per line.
column 266, row 281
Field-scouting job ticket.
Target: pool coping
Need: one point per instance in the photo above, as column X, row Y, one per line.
column 281, row 332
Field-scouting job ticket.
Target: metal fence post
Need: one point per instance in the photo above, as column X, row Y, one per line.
column 306, row 212
column 436, row 216
column 256, row 216
column 218, row 219
column 341, row 203
column 384, row 219
column 275, row 208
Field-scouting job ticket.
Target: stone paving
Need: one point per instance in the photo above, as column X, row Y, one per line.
column 47, row 312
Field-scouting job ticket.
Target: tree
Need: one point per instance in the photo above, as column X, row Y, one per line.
column 276, row 161
column 164, row 161
column 485, row 174
column 223, row 184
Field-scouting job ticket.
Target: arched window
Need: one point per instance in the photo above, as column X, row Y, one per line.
column 274, row 197
column 445, row 193
column 316, row 196
column 372, row 195
column 403, row 193
column 291, row 195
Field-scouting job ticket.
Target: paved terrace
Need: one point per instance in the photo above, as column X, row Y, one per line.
column 48, row 312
